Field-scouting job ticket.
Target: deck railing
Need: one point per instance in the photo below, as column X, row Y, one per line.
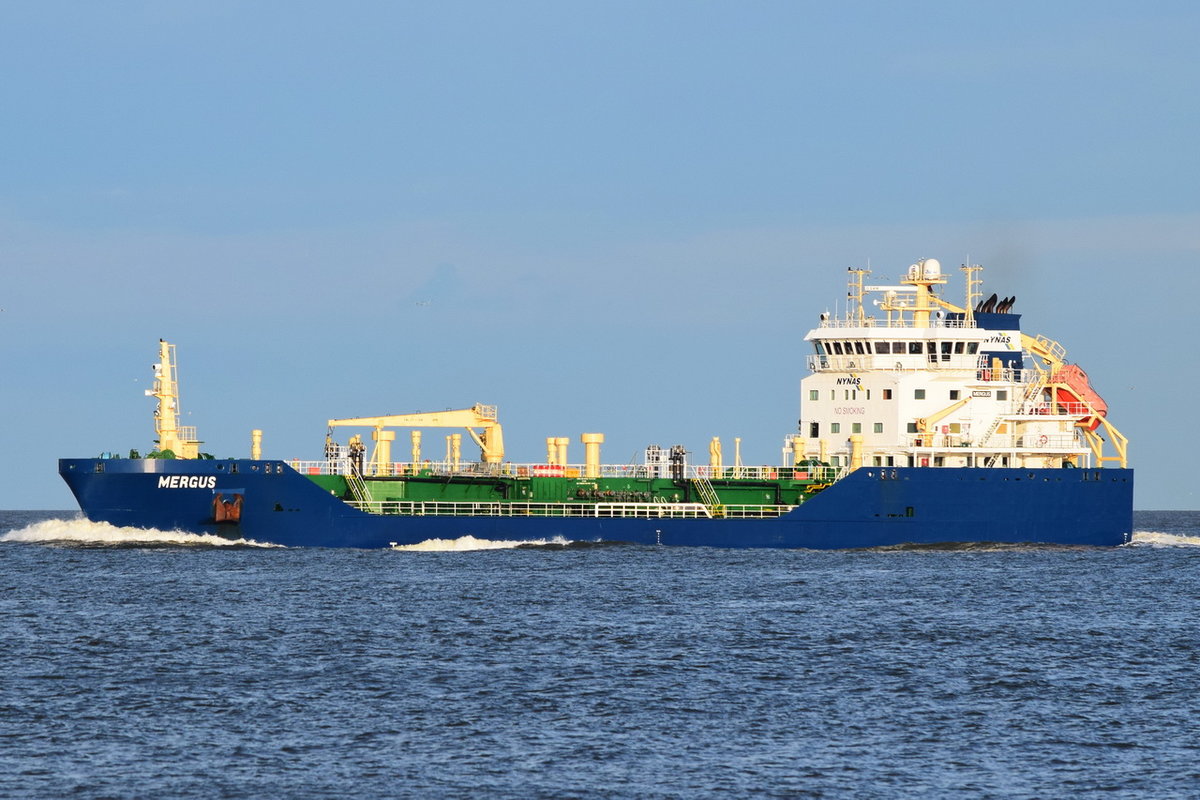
column 871, row 322
column 523, row 471
column 593, row 510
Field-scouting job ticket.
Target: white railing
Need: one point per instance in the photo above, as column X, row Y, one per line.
column 592, row 510
column 951, row 444
column 523, row 471
column 1055, row 408
column 871, row 322
column 904, row 362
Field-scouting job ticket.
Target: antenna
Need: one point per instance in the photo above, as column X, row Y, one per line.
column 855, row 293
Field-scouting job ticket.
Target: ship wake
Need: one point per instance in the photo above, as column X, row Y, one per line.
column 1161, row 539
column 84, row 533
column 468, row 543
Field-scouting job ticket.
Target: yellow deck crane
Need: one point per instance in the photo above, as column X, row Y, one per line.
column 490, row 441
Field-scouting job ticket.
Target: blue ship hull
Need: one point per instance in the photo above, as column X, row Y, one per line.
column 871, row 507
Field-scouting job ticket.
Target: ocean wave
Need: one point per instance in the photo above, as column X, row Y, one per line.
column 467, row 543
column 1162, row 539
column 80, row 531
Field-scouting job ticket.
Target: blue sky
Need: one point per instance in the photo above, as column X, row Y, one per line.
column 600, row 216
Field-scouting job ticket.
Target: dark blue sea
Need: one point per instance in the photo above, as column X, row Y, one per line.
column 167, row 666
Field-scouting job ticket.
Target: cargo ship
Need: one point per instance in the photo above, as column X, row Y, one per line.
column 923, row 422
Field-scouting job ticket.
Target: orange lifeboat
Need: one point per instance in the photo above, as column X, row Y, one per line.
column 1080, row 389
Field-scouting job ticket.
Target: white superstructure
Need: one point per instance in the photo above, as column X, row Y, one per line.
column 922, row 382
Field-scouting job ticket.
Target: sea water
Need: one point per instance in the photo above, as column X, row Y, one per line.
column 162, row 665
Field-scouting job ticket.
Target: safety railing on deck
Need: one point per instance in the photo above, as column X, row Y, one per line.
column 1001, row 442
column 521, row 471
column 871, row 322
column 593, row 510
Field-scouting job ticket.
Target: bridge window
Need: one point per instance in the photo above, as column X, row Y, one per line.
column 883, row 348
column 914, row 348
column 837, row 348
column 958, row 348
column 858, row 348
column 972, row 348
column 946, row 350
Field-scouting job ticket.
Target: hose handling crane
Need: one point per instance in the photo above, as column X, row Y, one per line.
column 490, row 440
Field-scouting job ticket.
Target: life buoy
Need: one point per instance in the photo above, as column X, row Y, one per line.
column 1042, row 440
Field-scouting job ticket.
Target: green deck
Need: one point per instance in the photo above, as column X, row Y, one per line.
column 787, row 489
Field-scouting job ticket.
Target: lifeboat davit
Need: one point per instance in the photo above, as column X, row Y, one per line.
column 1074, row 377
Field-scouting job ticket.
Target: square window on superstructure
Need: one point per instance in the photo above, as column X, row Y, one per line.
column 814, row 430
column 856, row 427
column 954, row 394
column 887, row 394
column 879, row 427
column 912, row 427
column 1001, row 394
column 814, row 394
column 918, row 394
column 835, row 427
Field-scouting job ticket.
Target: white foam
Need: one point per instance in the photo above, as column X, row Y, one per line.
column 466, row 543
column 84, row 531
column 1160, row 539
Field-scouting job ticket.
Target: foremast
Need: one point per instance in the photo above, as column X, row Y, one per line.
column 178, row 440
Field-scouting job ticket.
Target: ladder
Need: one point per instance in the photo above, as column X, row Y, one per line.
column 1031, row 390
column 708, row 496
column 358, row 487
